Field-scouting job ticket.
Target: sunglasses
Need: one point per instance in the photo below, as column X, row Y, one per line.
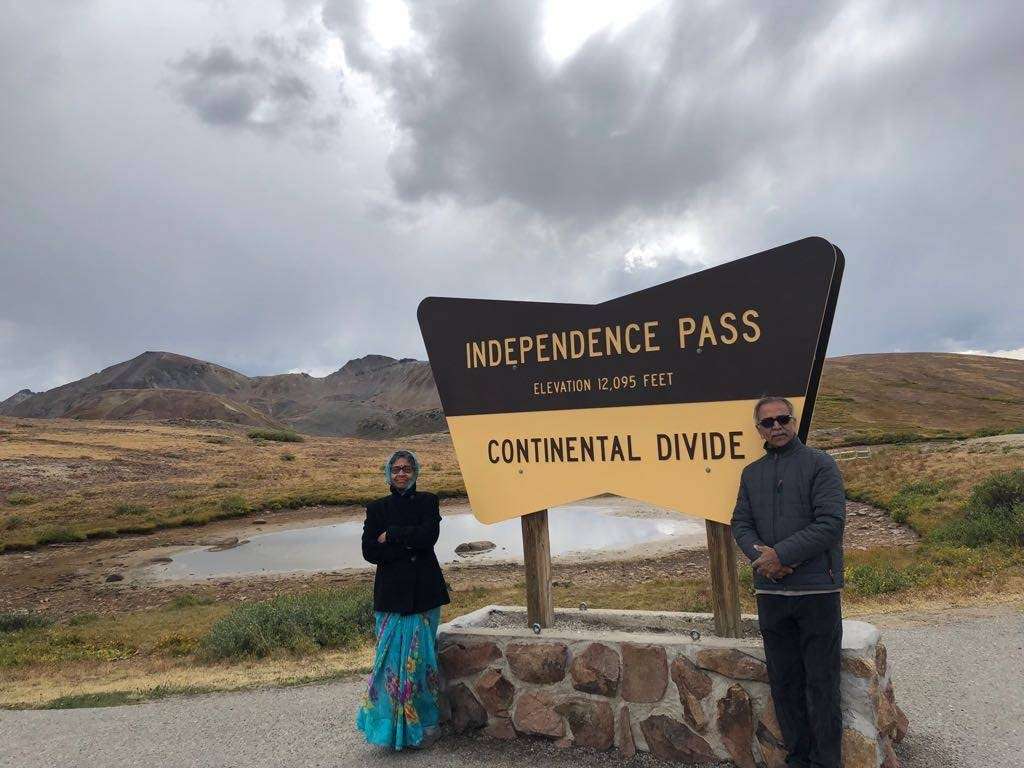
column 784, row 419
column 401, row 470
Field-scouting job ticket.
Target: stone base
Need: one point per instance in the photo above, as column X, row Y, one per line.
column 637, row 680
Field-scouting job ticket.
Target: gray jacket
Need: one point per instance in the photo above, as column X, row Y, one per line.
column 792, row 499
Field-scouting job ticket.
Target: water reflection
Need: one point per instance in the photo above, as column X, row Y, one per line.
column 583, row 527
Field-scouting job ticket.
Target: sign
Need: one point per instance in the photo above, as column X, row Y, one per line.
column 648, row 396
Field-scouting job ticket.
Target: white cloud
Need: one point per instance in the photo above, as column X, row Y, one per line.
column 1016, row 354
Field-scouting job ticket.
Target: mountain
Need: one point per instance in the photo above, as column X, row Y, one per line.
column 372, row 396
column 862, row 398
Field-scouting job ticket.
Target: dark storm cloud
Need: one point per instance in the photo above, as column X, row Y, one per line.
column 260, row 93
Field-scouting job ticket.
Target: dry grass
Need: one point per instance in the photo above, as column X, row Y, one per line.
column 100, row 479
column 930, row 485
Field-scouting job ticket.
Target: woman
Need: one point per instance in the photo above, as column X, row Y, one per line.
column 400, row 708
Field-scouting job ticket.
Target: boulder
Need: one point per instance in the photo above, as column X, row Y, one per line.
column 858, row 666
column 858, row 750
column 538, row 662
column 467, row 712
column 500, row 728
column 474, row 547
column 736, row 725
column 592, row 722
column 596, row 670
column 627, row 745
column 495, row 692
column 730, row 662
column 459, row 660
column 644, row 672
column 693, row 685
column 772, row 748
column 671, row 740
column 881, row 659
column 535, row 715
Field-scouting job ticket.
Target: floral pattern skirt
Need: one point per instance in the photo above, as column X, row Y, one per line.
column 401, row 700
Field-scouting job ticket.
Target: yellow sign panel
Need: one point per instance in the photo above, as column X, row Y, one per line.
column 649, row 396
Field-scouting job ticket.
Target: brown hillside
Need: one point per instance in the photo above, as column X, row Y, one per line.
column 162, row 404
column 885, row 397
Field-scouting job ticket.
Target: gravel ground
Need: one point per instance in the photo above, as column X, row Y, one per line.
column 958, row 676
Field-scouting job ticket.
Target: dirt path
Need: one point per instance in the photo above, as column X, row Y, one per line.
column 957, row 675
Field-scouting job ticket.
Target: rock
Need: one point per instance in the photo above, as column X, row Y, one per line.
column 467, row 712
column 627, row 745
column 733, row 663
column 564, row 743
column 693, row 685
column 459, row 660
column 474, row 547
column 259, row 521
column 229, row 543
column 597, row 670
column 686, row 675
column 881, row 659
column 773, row 749
column 535, row 715
column 538, row 662
column 115, row 577
column 858, row 666
column 771, row 721
column 592, row 722
column 736, row 725
column 644, row 672
column 161, row 559
column 889, row 759
column 495, row 692
column 671, row 740
column 858, row 750
column 500, row 728
column 891, row 720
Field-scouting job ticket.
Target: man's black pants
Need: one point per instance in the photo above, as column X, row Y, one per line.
column 803, row 638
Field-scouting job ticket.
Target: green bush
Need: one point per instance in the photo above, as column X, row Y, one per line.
column 994, row 514
column 130, row 510
column 916, row 497
column 14, row 621
column 14, row 521
column 280, row 435
column 294, row 623
column 187, row 601
column 59, row 535
column 21, row 499
column 233, row 506
column 871, row 579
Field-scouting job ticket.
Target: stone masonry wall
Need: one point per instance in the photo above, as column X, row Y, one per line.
column 683, row 700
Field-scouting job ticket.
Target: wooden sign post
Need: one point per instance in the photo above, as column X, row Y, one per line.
column 537, row 561
column 725, row 587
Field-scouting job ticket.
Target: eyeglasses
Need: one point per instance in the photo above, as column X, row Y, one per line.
column 767, row 421
column 402, row 470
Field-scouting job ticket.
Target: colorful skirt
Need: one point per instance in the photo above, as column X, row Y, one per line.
column 402, row 690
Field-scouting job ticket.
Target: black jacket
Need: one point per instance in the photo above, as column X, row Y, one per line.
column 409, row 578
column 792, row 499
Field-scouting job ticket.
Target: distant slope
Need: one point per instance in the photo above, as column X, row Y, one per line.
column 374, row 396
column 862, row 398
column 161, row 404
column 866, row 398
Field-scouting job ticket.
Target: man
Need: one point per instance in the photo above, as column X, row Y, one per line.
column 789, row 520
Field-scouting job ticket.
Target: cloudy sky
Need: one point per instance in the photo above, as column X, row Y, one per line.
column 274, row 186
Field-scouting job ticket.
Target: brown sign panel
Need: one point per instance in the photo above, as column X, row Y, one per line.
column 649, row 395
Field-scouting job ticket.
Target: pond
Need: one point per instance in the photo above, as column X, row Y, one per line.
column 592, row 526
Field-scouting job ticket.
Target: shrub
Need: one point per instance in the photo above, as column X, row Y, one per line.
column 294, row 623
column 14, row 621
column 280, row 435
column 21, row 499
column 218, row 440
column 994, row 514
column 871, row 579
column 287, row 457
column 59, row 535
column 130, row 510
column 14, row 521
column 915, row 498
column 233, row 506
column 187, row 601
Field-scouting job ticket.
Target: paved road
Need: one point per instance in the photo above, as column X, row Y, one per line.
column 959, row 678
